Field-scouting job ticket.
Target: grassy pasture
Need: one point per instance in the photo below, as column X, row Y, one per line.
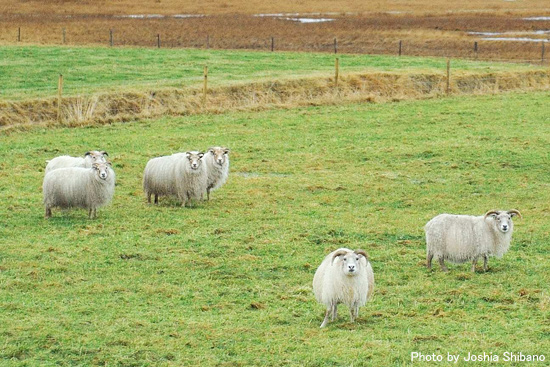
column 227, row 283
column 32, row 71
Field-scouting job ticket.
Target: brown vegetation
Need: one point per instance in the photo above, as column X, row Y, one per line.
column 374, row 87
column 168, row 7
column 434, row 35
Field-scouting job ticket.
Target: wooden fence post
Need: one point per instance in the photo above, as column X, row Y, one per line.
column 111, row 37
column 64, row 36
column 207, row 41
column 158, row 40
column 400, row 47
column 448, row 89
column 272, row 44
column 19, row 34
column 336, row 71
column 542, row 53
column 205, row 86
column 335, row 46
column 59, row 96
column 475, row 50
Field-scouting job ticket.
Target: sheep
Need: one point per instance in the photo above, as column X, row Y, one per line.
column 344, row 276
column 182, row 175
column 461, row 238
column 91, row 157
column 217, row 164
column 88, row 188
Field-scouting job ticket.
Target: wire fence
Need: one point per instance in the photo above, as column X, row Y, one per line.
column 344, row 36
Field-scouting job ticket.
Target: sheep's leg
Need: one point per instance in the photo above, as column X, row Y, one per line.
column 485, row 260
column 474, row 263
column 327, row 313
column 207, row 194
column 334, row 311
column 429, row 261
column 149, row 197
column 354, row 312
column 91, row 213
column 48, row 213
column 442, row 264
column 156, row 199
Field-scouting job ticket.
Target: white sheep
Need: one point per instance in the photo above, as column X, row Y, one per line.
column 182, row 175
column 217, row 164
column 88, row 188
column 345, row 276
column 461, row 238
column 91, row 157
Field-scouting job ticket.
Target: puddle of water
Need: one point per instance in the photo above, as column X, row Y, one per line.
column 513, row 39
column 310, row 20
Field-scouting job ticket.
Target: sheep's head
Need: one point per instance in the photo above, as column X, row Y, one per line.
column 101, row 169
column 96, row 156
column 220, row 154
column 195, row 159
column 503, row 219
column 350, row 261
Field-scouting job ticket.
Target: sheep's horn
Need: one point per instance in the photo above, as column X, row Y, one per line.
column 87, row 153
column 514, row 212
column 104, row 153
column 338, row 253
column 362, row 252
column 491, row 212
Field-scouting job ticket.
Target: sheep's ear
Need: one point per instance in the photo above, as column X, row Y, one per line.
column 87, row 153
column 104, row 153
column 514, row 212
column 95, row 166
column 226, row 151
column 211, row 150
column 362, row 252
column 491, row 213
column 201, row 155
column 187, row 154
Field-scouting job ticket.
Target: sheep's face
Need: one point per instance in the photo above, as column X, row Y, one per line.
column 96, row 156
column 195, row 159
column 503, row 221
column 220, row 154
column 102, row 170
column 351, row 263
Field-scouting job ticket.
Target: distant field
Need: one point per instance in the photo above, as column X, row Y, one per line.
column 425, row 28
column 32, row 72
column 228, row 283
column 270, row 7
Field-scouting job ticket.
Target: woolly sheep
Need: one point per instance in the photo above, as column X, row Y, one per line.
column 91, row 157
column 461, row 238
column 345, row 276
column 217, row 165
column 88, row 188
column 182, row 175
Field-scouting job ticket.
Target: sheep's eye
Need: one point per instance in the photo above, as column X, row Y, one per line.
column 344, row 259
column 357, row 258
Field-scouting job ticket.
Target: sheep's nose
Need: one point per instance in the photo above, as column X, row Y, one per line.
column 505, row 227
column 220, row 161
column 351, row 268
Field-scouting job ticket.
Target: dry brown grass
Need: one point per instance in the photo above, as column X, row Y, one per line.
column 261, row 6
column 374, row 87
column 433, row 35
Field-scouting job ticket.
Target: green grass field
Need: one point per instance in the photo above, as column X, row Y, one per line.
column 228, row 282
column 32, row 71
